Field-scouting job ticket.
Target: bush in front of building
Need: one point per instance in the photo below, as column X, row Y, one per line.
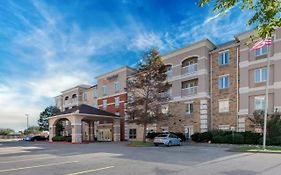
column 228, row 137
column 202, row 137
column 62, row 139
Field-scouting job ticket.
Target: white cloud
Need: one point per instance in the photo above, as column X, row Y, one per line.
column 147, row 40
column 65, row 57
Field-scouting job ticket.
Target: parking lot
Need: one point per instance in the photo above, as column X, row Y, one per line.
column 36, row 158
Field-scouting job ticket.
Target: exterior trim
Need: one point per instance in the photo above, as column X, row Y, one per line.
column 245, row 90
column 179, row 77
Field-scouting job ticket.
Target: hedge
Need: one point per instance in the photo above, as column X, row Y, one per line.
column 62, row 139
column 219, row 136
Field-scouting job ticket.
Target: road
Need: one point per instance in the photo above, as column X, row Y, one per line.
column 39, row 158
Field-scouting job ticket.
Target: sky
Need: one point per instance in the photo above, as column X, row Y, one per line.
column 49, row 46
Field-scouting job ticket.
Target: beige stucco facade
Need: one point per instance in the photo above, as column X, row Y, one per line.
column 249, row 89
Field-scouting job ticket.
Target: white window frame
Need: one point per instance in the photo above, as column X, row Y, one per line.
column 117, row 101
column 259, row 102
column 117, row 87
column 224, row 85
column 224, row 127
column 104, row 104
column 223, row 105
column 95, row 93
column 260, row 77
column 224, row 58
column 261, row 51
column 188, row 108
column 104, row 90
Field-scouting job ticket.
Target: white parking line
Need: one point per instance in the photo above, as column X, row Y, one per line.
column 38, row 158
column 37, row 166
column 90, row 171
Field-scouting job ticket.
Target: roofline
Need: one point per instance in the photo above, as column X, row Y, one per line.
column 75, row 87
column 244, row 35
column 115, row 71
column 79, row 114
column 189, row 47
column 225, row 47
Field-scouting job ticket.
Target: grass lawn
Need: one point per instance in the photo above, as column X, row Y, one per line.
column 140, row 144
column 258, row 149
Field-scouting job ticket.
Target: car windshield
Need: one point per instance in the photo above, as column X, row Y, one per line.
column 163, row 135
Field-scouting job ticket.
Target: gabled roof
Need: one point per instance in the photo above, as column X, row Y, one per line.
column 86, row 109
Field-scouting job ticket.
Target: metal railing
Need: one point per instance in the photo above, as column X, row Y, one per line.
column 189, row 91
column 189, row 69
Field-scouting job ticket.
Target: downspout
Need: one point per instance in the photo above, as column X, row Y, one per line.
column 237, row 88
column 211, row 89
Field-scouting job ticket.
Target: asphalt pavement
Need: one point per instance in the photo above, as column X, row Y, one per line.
column 40, row 158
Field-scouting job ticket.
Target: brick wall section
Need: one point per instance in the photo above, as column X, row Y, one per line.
column 180, row 119
column 229, row 118
column 113, row 109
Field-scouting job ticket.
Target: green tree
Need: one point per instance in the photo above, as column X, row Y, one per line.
column 266, row 12
column 32, row 130
column 147, row 91
column 43, row 119
column 6, row 131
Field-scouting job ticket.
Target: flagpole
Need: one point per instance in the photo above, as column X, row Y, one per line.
column 266, row 98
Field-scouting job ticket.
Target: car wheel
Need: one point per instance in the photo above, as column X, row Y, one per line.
column 169, row 144
column 35, row 140
column 155, row 144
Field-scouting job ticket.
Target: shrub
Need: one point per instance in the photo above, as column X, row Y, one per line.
column 195, row 137
column 62, row 139
column 179, row 135
column 152, row 135
column 251, row 138
column 238, row 138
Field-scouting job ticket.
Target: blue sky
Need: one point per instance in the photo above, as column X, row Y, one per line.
column 48, row 46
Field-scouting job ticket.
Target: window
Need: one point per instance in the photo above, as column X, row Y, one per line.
column 224, row 82
column 260, row 75
column 95, row 93
column 224, row 127
column 189, row 108
column 104, row 90
column 74, row 96
column 117, row 101
column 66, row 98
column 224, row 58
column 132, row 133
column 117, row 87
column 261, row 51
column 84, row 96
column 104, row 104
column 259, row 103
column 223, row 106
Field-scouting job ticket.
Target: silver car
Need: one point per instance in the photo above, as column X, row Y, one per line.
column 167, row 140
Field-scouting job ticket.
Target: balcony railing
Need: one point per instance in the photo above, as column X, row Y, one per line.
column 189, row 91
column 189, row 69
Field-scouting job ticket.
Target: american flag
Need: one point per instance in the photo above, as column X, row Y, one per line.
column 260, row 43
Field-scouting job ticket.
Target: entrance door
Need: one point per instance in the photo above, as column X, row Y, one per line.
column 188, row 131
column 104, row 135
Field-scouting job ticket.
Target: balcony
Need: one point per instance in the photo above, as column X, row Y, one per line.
column 190, row 69
column 189, row 91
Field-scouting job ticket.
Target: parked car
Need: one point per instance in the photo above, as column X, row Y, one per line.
column 167, row 140
column 35, row 138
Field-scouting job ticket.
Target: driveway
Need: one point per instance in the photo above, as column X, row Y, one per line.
column 118, row 159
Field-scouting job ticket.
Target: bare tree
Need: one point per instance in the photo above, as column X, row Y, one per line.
column 147, row 90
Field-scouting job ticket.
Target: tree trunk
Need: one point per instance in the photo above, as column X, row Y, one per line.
column 144, row 132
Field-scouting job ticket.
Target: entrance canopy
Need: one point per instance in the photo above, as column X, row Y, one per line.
column 86, row 114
